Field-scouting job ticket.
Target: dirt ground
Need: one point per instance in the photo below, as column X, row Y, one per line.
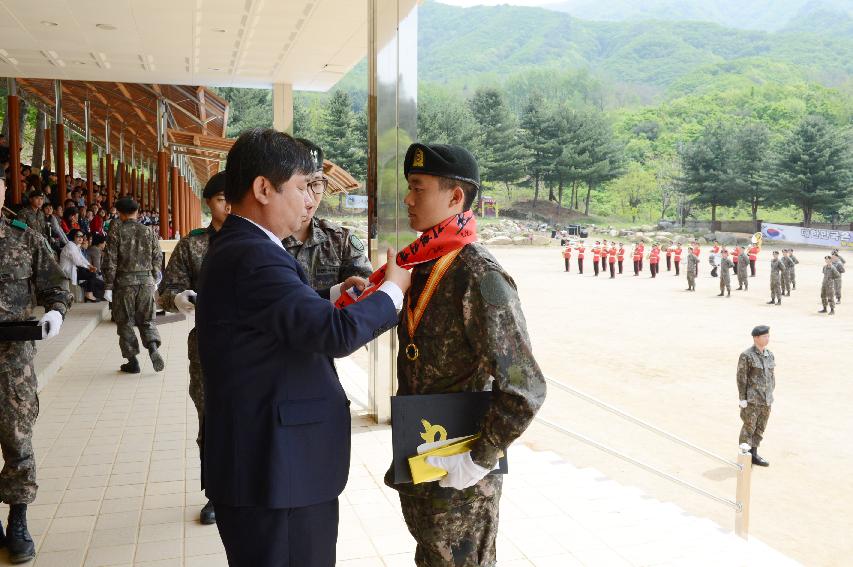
column 669, row 357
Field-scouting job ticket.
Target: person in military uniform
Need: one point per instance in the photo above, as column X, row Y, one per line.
column 725, row 278
column 742, row 275
column 29, row 276
column 327, row 252
column 793, row 273
column 131, row 265
column 692, row 269
column 831, row 277
column 32, row 215
column 838, row 262
column 756, row 380
column 466, row 332
column 787, row 264
column 177, row 294
column 775, row 280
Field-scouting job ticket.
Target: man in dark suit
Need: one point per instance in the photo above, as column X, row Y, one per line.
column 276, row 455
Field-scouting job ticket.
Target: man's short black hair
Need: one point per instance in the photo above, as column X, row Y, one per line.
column 315, row 151
column 470, row 190
column 263, row 152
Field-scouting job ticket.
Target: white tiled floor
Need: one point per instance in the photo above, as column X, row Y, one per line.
column 118, row 474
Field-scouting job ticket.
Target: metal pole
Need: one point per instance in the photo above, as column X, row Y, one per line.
column 742, row 493
column 60, row 143
column 162, row 166
column 90, row 175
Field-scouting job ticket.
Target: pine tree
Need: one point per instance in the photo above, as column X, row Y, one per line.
column 501, row 157
column 752, row 154
column 709, row 167
column 335, row 132
column 540, row 139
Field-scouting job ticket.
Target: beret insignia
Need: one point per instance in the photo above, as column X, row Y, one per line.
column 418, row 158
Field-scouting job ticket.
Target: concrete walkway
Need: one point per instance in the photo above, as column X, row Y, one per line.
column 118, row 475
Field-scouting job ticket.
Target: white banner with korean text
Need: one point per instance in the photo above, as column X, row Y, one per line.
column 800, row 235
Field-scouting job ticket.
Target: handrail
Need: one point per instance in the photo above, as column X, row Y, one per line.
column 731, row 503
column 641, row 423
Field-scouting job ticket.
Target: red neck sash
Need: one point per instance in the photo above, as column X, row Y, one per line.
column 450, row 234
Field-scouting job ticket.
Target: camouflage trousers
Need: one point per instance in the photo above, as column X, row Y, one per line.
column 743, row 278
column 20, row 408
column 462, row 535
column 775, row 289
column 691, row 280
column 828, row 294
column 196, row 383
column 133, row 305
column 837, row 284
column 725, row 285
column 786, row 281
column 792, row 274
column 754, row 418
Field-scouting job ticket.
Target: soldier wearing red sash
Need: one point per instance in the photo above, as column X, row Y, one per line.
column 596, row 256
column 654, row 259
column 676, row 258
column 567, row 256
column 637, row 256
column 581, row 249
column 621, row 256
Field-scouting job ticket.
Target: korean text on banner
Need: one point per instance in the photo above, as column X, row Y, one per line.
column 801, row 235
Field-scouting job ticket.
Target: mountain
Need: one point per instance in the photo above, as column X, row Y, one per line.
column 765, row 15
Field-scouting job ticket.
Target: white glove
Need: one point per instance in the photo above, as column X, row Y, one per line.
column 108, row 295
column 743, row 403
column 462, row 471
column 183, row 303
column 50, row 324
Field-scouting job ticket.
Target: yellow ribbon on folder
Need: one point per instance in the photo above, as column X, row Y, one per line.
column 422, row 471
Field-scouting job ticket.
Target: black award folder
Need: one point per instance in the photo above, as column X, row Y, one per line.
column 20, row 331
column 420, row 419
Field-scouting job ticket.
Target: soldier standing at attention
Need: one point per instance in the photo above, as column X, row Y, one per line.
column 636, row 256
column 621, row 256
column 793, row 268
column 29, row 276
column 177, row 291
column 32, row 214
column 669, row 258
column 676, row 259
column 596, row 256
column 743, row 275
column 581, row 249
column 786, row 266
column 327, row 252
column 604, row 249
column 654, row 260
column 567, row 255
column 611, row 259
column 827, row 287
column 736, row 258
column 756, row 380
column 838, row 262
column 131, row 265
column 466, row 332
column 642, row 248
column 775, row 280
column 692, row 269
column 753, row 258
column 725, row 278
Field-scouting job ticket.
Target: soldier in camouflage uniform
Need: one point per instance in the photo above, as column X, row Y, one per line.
column 756, row 380
column 775, row 279
column 472, row 337
column 32, row 215
column 742, row 275
column 692, row 269
column 793, row 273
column 725, row 277
column 131, row 265
column 838, row 262
column 29, row 275
column 327, row 252
column 787, row 267
column 831, row 277
column 177, row 293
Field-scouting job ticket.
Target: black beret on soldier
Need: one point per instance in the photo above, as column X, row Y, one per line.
column 214, row 185
column 126, row 205
column 760, row 330
column 442, row 160
column 35, row 193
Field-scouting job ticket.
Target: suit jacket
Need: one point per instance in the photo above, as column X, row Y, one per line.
column 277, row 421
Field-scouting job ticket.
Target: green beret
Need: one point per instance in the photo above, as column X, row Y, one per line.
column 126, row 205
column 442, row 160
column 214, row 185
column 760, row 330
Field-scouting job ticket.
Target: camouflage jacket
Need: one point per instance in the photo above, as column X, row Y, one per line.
column 775, row 269
column 839, row 266
column 794, row 259
column 743, row 259
column 725, row 265
column 330, row 255
column 830, row 274
column 132, row 256
column 756, row 378
column 692, row 263
column 472, row 337
column 34, row 219
column 787, row 263
column 184, row 266
column 29, row 276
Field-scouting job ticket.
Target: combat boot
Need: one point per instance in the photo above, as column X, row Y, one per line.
column 19, row 541
column 156, row 359
column 740, row 287
column 778, row 301
column 131, row 366
column 771, row 302
column 208, row 514
column 823, row 310
column 757, row 459
column 832, row 311
column 728, row 293
column 720, row 294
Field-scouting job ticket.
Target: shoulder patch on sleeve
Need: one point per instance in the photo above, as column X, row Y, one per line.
column 356, row 242
column 19, row 224
column 495, row 289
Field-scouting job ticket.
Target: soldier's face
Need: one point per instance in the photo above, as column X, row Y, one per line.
column 219, row 208
column 428, row 204
column 762, row 340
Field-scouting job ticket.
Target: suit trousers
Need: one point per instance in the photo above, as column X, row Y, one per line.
column 279, row 537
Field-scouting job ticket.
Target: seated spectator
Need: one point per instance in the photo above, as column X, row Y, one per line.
column 85, row 220
column 45, row 171
column 96, row 226
column 56, row 237
column 72, row 258
column 33, row 183
column 70, row 221
column 95, row 252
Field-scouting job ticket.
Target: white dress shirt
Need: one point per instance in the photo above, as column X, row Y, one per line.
column 70, row 259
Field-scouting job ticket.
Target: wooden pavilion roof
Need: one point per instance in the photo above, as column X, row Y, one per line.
column 132, row 107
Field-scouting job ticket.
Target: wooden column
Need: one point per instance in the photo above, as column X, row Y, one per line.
column 101, row 178
column 187, row 209
column 111, row 187
column 60, row 163
column 48, row 134
column 13, row 117
column 151, row 204
column 176, row 208
column 90, row 174
column 71, row 158
column 163, row 192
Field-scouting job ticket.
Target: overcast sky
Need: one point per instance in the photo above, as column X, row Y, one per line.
column 467, row 3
